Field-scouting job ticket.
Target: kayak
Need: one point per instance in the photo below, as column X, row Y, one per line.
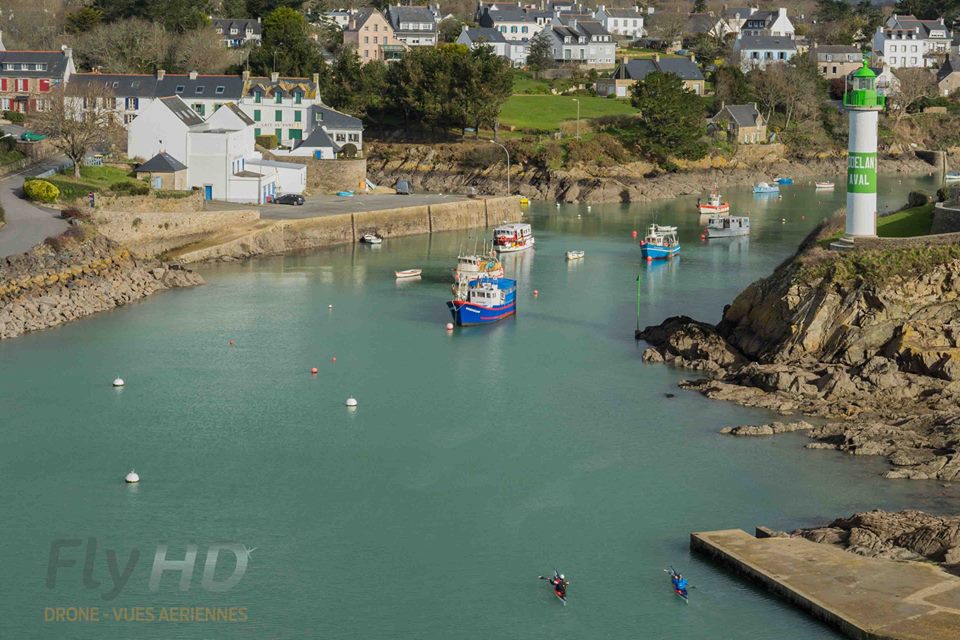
column 683, row 594
column 554, row 586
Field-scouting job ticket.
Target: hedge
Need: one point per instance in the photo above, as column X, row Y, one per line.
column 41, row 190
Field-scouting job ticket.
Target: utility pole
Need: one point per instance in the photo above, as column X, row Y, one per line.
column 578, row 117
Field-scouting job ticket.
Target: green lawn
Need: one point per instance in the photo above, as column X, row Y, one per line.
column 96, row 179
column 9, row 157
column 906, row 223
column 545, row 113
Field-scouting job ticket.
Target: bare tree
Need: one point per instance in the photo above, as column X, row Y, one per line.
column 125, row 46
column 669, row 27
column 79, row 119
column 915, row 84
column 202, row 49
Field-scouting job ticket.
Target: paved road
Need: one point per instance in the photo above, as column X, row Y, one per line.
column 27, row 225
column 323, row 205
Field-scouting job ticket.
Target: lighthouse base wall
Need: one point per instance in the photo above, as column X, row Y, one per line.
column 861, row 214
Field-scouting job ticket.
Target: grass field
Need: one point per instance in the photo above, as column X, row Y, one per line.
column 96, row 179
column 906, row 223
column 545, row 113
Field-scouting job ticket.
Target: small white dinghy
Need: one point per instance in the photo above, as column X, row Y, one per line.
column 824, row 185
column 574, row 255
column 371, row 238
column 408, row 273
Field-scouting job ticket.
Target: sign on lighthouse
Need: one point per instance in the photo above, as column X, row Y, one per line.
column 864, row 106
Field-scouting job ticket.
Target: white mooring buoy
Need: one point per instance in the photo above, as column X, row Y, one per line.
column 132, row 477
column 118, row 382
column 351, row 402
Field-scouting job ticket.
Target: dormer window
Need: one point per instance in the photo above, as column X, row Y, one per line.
column 298, row 97
column 257, row 97
column 198, row 90
column 219, row 90
column 278, row 97
column 233, row 31
column 179, row 88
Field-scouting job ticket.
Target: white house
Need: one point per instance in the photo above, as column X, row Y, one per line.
column 219, row 153
column 904, row 41
column 513, row 50
column 331, row 132
column 413, row 26
column 341, row 18
column 768, row 23
column 756, row 52
column 586, row 43
column 621, row 22
column 237, row 32
column 512, row 21
column 736, row 17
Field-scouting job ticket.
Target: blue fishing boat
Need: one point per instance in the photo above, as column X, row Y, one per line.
column 483, row 301
column 782, row 181
column 763, row 187
column 661, row 242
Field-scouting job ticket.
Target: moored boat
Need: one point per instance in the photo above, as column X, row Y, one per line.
column 574, row 255
column 765, row 187
column 952, row 176
column 474, row 266
column 728, row 226
column 660, row 242
column 824, row 184
column 483, row 301
column 784, row 181
column 714, row 204
column 371, row 238
column 513, row 236
column 408, row 273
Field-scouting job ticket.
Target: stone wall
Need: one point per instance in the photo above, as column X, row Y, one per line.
column 403, row 221
column 150, row 233
column 331, row 176
column 48, row 286
column 141, row 204
column 946, row 219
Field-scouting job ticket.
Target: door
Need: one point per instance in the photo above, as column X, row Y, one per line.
column 208, row 192
column 158, row 183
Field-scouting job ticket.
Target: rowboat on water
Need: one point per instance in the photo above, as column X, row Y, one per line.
column 408, row 273
column 574, row 255
column 765, row 187
column 824, row 185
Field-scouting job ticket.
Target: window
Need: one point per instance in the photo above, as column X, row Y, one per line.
column 834, row 70
column 278, row 115
column 513, row 29
column 296, row 134
column 257, row 97
column 353, row 137
column 219, row 90
column 366, row 39
column 374, row 39
column 341, row 137
column 523, row 29
column 256, row 115
column 179, row 89
column 198, row 90
column 297, row 115
column 134, row 84
column 279, row 134
column 297, row 97
column 913, row 48
column 44, row 85
column 318, row 116
column 376, row 27
column 913, row 61
column 198, row 107
column 278, row 97
column 256, row 132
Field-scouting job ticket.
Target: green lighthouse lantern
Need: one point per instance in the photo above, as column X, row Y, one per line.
column 862, row 92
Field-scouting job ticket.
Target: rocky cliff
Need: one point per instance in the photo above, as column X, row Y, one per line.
column 867, row 340
column 901, row 535
column 453, row 168
column 74, row 275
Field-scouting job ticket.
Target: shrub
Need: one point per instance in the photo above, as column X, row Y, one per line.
column 917, row 199
column 14, row 116
column 72, row 213
column 40, row 191
column 136, row 222
column 130, row 187
column 65, row 239
column 482, row 156
column 349, row 150
column 3, row 215
column 267, row 141
column 172, row 195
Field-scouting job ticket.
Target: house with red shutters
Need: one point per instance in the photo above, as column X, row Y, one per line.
column 28, row 77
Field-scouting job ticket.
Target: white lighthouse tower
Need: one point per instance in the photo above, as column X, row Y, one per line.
column 864, row 106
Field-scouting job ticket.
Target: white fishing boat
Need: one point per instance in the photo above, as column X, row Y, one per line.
column 728, row 226
column 714, row 204
column 371, row 238
column 824, row 185
column 470, row 267
column 408, row 273
column 574, row 255
column 764, row 187
column 952, row 176
column 513, row 236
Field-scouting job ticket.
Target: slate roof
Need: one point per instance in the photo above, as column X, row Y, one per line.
column 56, row 62
column 745, row 115
column 701, row 23
column 318, row 138
column 911, row 23
column 333, row 119
column 836, row 48
column 247, row 120
column 508, row 14
column 685, row 68
column 950, row 66
column 591, row 28
column 163, row 162
column 764, row 43
column 398, row 14
column 622, row 13
column 240, row 23
column 733, row 12
column 487, row 34
column 122, row 86
column 201, row 87
column 180, row 109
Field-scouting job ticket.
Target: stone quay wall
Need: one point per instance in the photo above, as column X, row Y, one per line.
column 150, row 233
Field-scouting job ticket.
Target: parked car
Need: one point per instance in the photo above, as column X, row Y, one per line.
column 289, row 198
column 404, row 188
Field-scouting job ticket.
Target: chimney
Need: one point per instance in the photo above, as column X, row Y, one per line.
column 316, row 81
column 193, row 75
column 245, row 76
column 274, row 76
column 781, row 12
column 160, row 74
column 656, row 57
column 67, row 51
column 626, row 59
column 2, row 48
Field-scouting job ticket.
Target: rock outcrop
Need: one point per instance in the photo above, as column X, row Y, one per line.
column 867, row 340
column 75, row 275
column 901, row 535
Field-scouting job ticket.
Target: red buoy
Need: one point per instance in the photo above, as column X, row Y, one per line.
column 313, row 371
column 536, row 292
column 333, row 359
column 633, row 234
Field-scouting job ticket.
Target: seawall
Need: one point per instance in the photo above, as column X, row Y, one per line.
column 267, row 237
column 865, row 598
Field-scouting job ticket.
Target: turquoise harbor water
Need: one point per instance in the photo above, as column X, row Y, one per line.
column 475, row 462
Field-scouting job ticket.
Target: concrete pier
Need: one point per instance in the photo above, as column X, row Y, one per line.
column 865, row 598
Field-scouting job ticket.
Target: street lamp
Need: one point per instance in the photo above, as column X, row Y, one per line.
column 506, row 151
column 578, row 117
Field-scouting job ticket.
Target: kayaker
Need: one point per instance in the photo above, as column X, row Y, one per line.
column 680, row 583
